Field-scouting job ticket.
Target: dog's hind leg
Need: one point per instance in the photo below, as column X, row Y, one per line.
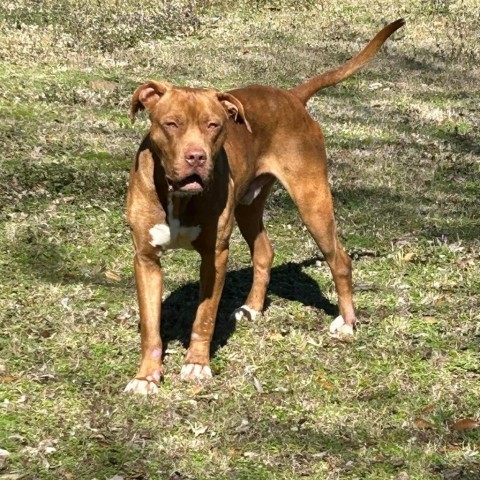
column 250, row 222
column 307, row 183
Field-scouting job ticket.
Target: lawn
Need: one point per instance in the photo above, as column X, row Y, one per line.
column 287, row 401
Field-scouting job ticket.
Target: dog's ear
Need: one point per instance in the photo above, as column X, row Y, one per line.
column 147, row 95
column 234, row 108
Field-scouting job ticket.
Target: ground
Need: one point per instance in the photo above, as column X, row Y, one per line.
column 399, row 402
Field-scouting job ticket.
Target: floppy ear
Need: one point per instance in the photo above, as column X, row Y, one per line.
column 234, row 108
column 147, row 95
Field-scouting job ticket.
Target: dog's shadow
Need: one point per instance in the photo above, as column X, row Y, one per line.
column 287, row 281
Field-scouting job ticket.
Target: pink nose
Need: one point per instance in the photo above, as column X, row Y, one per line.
column 196, row 157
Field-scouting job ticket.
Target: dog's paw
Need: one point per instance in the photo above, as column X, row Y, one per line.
column 339, row 329
column 144, row 386
column 245, row 312
column 195, row 371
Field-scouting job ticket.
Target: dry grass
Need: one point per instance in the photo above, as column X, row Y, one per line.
column 287, row 401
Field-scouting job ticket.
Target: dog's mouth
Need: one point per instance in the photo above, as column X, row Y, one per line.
column 190, row 185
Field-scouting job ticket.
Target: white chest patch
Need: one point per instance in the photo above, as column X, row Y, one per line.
column 160, row 234
column 174, row 235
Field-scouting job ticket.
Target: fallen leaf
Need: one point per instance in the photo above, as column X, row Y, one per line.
column 453, row 473
column 408, row 257
column 52, row 209
column 326, row 385
column 258, row 385
column 197, row 389
column 8, row 379
column 198, row 429
column 243, row 427
column 103, row 85
column 323, row 381
column 66, row 303
column 3, row 457
column 177, row 476
column 375, row 85
column 422, row 424
column 276, row 336
column 452, row 448
column 429, row 408
column 113, row 276
column 465, row 424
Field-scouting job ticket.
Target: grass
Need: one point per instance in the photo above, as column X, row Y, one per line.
column 287, row 401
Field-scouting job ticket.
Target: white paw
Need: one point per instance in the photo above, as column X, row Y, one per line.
column 339, row 329
column 245, row 312
column 142, row 387
column 195, row 371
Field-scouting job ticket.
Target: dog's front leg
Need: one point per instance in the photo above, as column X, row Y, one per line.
column 148, row 276
column 150, row 235
column 212, row 278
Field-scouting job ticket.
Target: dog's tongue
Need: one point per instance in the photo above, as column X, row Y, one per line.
column 190, row 186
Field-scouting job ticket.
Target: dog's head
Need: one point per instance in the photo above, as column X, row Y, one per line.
column 188, row 129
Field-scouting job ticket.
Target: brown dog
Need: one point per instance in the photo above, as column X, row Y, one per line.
column 210, row 158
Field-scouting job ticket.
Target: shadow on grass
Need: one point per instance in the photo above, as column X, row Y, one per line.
column 288, row 281
column 41, row 259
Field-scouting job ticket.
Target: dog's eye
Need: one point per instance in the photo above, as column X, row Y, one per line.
column 212, row 125
column 170, row 124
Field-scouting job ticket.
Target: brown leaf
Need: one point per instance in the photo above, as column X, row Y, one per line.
column 465, row 424
column 452, row 448
column 409, row 257
column 276, row 336
column 422, row 424
column 8, row 379
column 429, row 409
column 326, row 384
column 323, row 381
column 113, row 276
column 197, row 389
column 453, row 473
column 103, row 85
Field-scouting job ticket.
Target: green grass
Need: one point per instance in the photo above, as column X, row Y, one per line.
column 403, row 147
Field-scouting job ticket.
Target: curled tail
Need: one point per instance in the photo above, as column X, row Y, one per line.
column 306, row 89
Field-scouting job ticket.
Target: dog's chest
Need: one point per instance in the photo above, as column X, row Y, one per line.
column 173, row 235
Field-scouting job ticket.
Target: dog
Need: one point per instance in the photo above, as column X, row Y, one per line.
column 208, row 159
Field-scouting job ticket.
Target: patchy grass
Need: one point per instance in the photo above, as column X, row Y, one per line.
column 287, row 401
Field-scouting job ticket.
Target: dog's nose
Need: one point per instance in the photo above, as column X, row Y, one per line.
column 196, row 157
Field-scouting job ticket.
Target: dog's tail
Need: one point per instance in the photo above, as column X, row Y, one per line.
column 305, row 90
